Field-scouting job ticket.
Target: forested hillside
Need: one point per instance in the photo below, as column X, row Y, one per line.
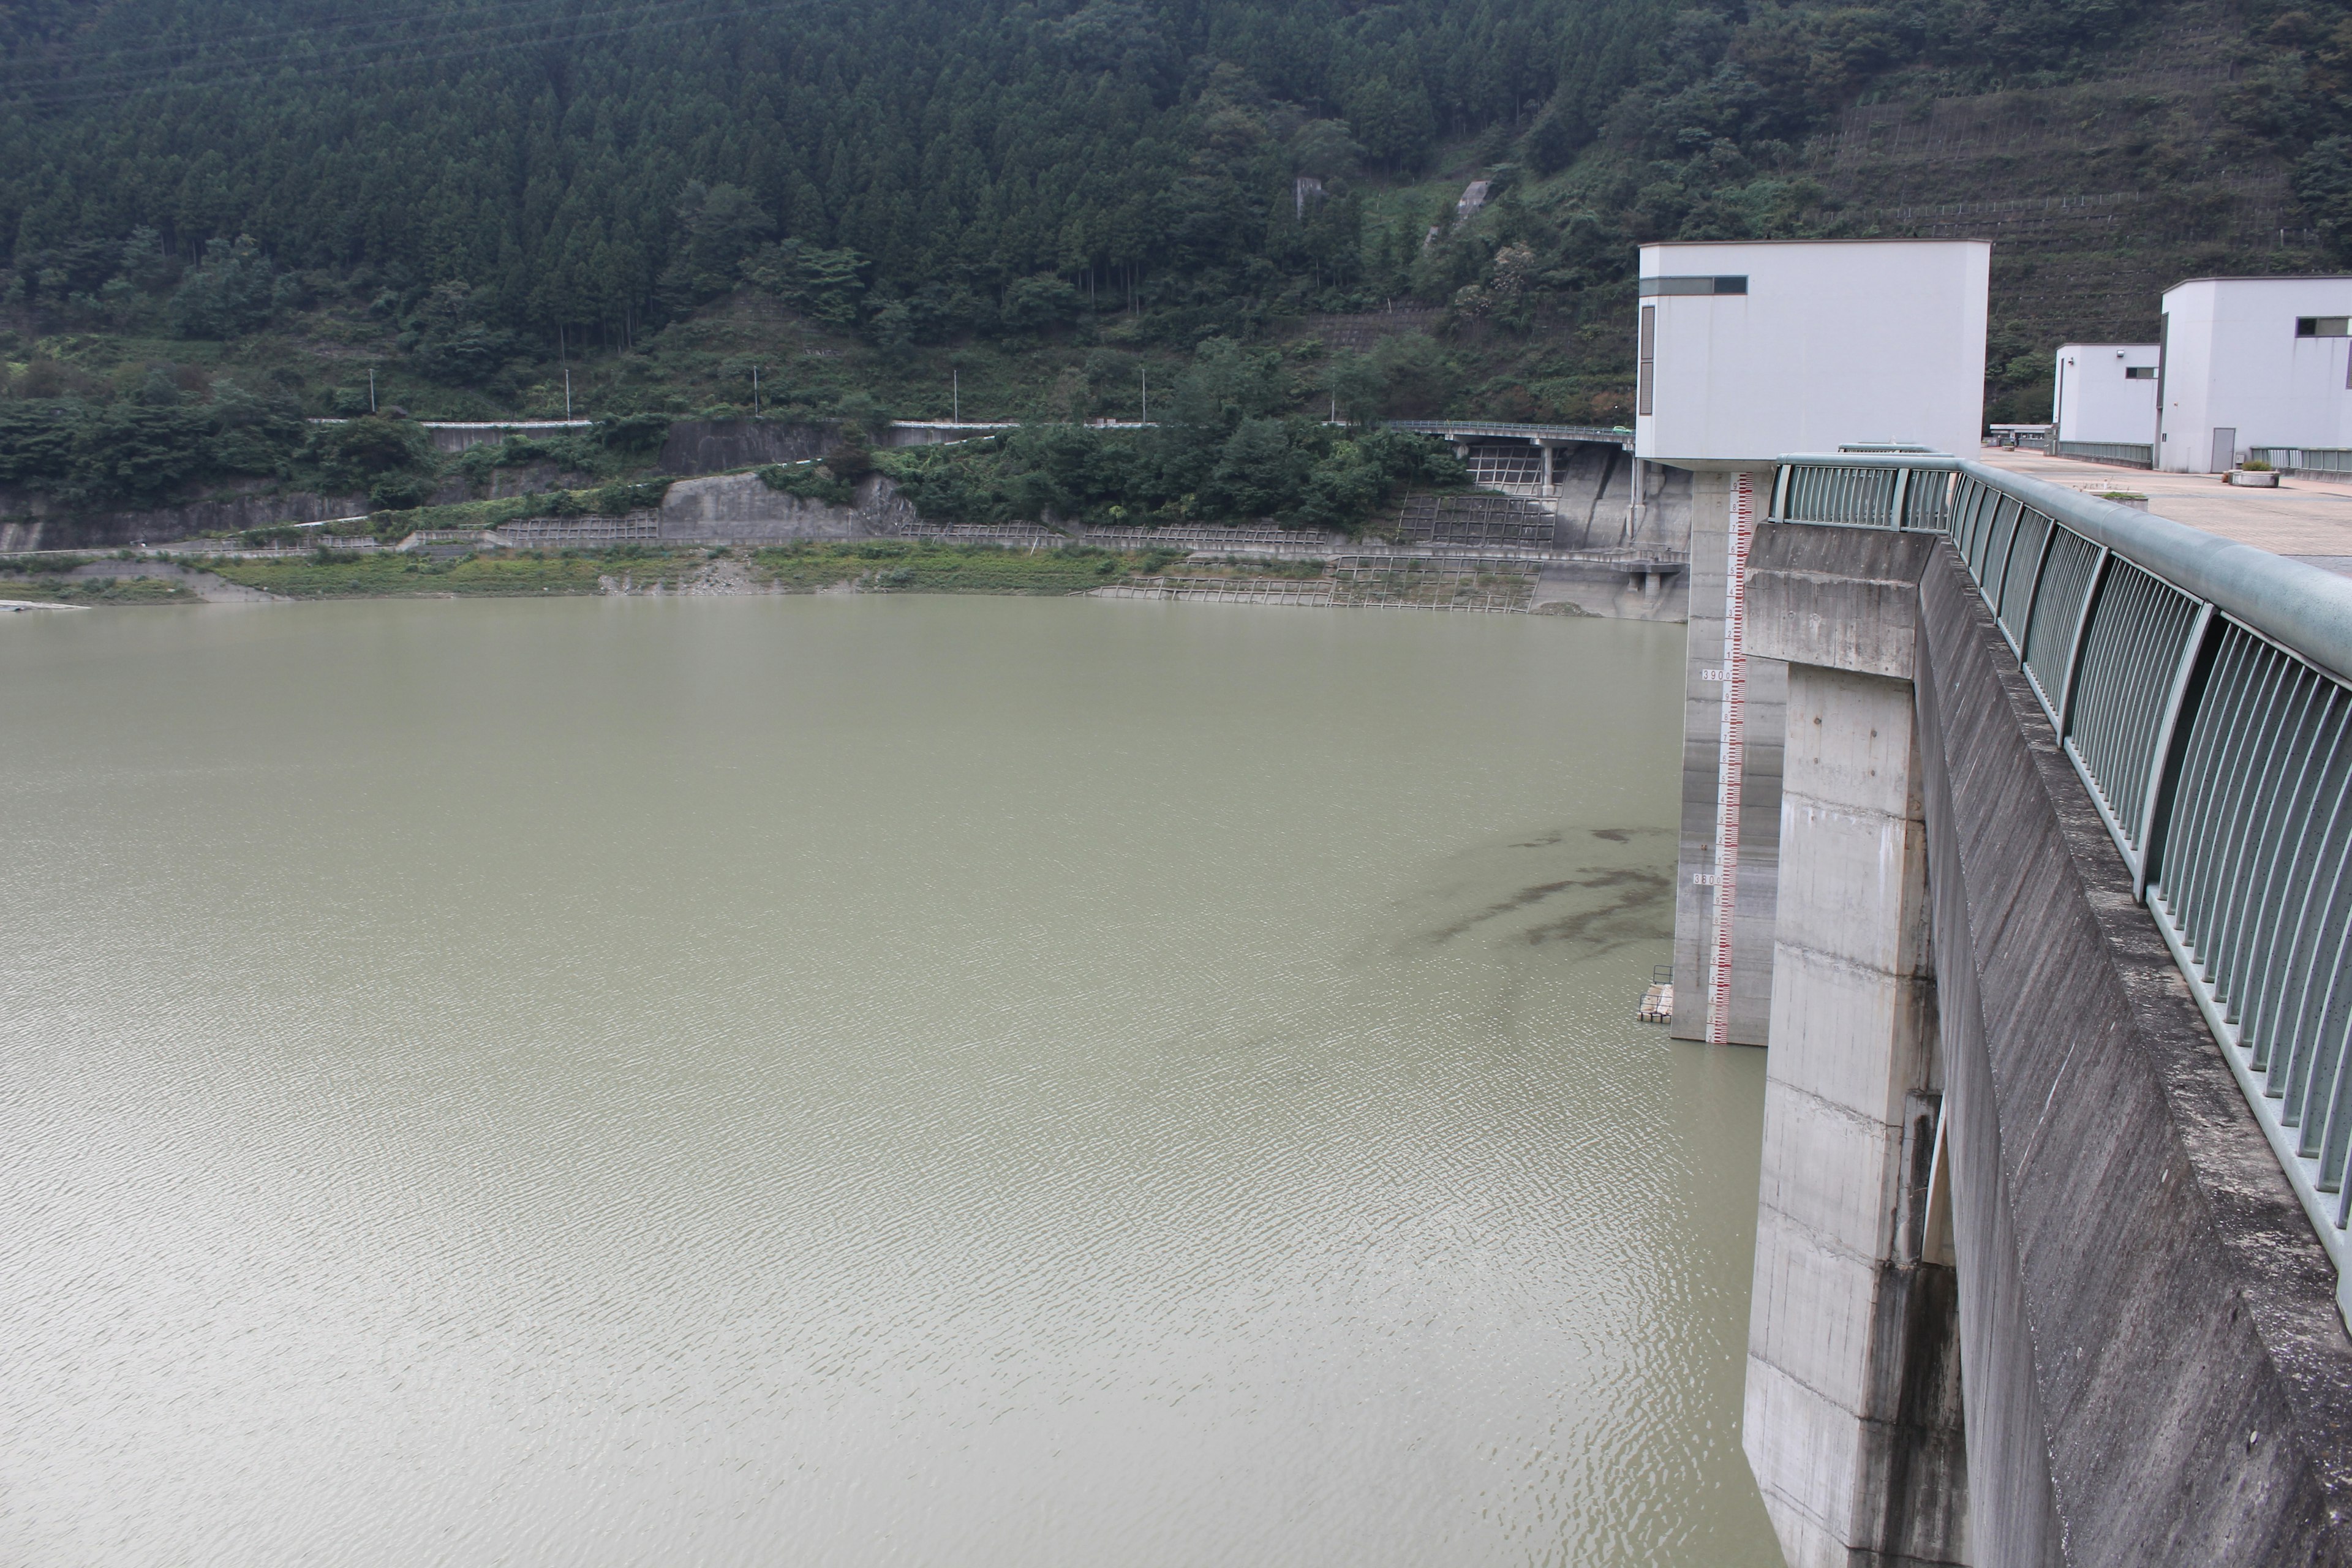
column 1017, row 209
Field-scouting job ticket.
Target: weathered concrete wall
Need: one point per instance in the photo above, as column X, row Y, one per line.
column 2146, row 1316
column 1594, row 489
column 35, row 521
column 31, row 520
column 742, row 509
column 1757, row 894
column 713, row 446
column 1595, row 589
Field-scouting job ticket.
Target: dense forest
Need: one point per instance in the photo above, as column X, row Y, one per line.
column 480, row 196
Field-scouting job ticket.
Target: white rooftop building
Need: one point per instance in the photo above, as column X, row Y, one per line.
column 2251, row 363
column 1752, row 348
column 2106, row 393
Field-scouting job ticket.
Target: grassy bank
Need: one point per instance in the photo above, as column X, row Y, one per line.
column 328, row 575
column 880, row 566
column 53, row 589
column 898, row 566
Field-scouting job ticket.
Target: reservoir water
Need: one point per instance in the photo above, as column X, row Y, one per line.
column 857, row 1080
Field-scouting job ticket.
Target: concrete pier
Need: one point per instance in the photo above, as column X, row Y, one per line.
column 1757, row 887
column 1853, row 1413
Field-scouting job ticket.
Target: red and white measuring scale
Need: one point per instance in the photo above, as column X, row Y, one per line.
column 1742, row 534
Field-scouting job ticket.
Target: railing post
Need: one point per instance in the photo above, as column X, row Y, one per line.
column 1780, row 481
column 2163, row 763
column 1902, row 492
column 2033, row 585
column 2098, row 575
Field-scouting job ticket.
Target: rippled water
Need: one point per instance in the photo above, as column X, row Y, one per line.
column 958, row 1081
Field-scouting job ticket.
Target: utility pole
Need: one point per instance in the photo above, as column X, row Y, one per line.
column 1147, row 395
column 755, row 391
column 567, row 394
column 370, row 389
column 955, row 396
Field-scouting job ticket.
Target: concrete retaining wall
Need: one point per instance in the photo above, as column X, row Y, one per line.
column 742, row 509
column 31, row 520
column 713, row 446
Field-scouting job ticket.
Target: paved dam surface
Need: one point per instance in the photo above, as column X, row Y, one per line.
column 858, row 1080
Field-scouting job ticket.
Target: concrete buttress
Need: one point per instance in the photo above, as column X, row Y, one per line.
column 1852, row 1421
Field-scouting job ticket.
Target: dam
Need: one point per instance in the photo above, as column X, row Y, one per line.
column 2015, row 830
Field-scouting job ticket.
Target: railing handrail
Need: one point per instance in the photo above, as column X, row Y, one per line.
column 2306, row 608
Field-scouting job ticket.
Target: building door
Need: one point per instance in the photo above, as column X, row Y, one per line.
column 2225, row 450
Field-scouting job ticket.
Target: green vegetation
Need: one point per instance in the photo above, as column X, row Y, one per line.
column 56, row 588
column 218, row 216
column 810, row 482
column 879, row 565
column 601, row 501
column 378, row 574
column 1223, row 451
column 903, row 566
column 139, row 439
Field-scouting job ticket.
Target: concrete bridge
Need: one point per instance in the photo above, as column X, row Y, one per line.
column 2018, row 824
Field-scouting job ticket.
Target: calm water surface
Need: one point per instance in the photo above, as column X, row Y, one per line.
column 882, row 1080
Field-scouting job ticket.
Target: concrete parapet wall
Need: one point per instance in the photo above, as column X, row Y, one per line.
column 2156, row 1369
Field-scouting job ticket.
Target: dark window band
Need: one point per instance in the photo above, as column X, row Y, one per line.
column 1652, row 287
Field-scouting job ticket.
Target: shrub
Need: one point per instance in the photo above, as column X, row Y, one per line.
column 810, row 482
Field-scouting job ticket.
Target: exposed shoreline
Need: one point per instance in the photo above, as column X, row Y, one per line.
column 860, row 566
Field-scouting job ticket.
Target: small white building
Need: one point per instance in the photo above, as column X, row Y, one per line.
column 1756, row 348
column 2106, row 393
column 2253, row 363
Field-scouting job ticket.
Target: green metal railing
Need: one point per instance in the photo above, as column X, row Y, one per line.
column 2134, row 454
column 2199, row 689
column 2305, row 459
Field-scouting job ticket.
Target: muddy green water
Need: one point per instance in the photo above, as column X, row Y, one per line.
column 859, row 1081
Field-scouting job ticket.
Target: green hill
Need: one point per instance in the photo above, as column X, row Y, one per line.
column 220, row 216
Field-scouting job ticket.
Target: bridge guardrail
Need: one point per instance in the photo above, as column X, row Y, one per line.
column 2199, row 689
